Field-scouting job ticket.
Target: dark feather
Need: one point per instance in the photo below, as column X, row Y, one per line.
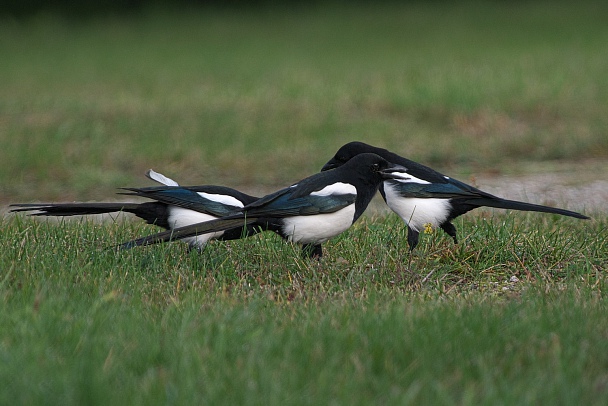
column 151, row 212
column 189, row 231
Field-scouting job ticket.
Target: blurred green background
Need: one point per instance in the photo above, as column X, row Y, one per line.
column 258, row 95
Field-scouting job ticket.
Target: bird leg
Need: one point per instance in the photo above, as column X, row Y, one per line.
column 450, row 230
column 412, row 238
column 312, row 251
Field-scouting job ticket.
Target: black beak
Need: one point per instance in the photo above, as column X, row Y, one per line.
column 394, row 172
column 331, row 164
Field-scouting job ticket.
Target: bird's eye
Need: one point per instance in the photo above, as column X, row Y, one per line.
column 375, row 167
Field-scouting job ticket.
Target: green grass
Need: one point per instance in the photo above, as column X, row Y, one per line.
column 250, row 322
column 86, row 107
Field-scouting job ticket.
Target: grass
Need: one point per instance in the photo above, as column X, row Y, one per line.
column 88, row 106
column 250, row 322
column 515, row 314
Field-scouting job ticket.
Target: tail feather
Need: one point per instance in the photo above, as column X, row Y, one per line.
column 151, row 212
column 516, row 205
column 73, row 209
column 206, row 227
column 160, row 178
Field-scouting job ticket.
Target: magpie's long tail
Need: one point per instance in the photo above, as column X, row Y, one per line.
column 206, row 227
column 152, row 212
column 73, row 209
column 515, row 205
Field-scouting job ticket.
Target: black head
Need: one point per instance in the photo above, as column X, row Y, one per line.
column 366, row 172
column 373, row 167
column 349, row 151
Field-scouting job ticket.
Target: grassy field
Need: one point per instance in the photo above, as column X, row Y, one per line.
column 515, row 314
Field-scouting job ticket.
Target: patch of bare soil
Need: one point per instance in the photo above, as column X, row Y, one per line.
column 576, row 186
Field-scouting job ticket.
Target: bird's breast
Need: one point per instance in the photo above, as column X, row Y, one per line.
column 417, row 212
column 318, row 228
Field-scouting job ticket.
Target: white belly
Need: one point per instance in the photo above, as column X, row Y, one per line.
column 320, row 227
column 417, row 212
column 180, row 217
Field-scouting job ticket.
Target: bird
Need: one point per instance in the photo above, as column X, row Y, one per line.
column 423, row 196
column 308, row 212
column 174, row 206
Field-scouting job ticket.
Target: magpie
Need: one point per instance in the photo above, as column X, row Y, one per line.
column 424, row 196
column 309, row 212
column 174, row 206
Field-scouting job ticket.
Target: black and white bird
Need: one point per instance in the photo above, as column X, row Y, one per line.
column 174, row 206
column 309, row 212
column 424, row 196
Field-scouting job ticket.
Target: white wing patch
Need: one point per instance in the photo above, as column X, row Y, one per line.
column 407, row 178
column 417, row 212
column 160, row 178
column 224, row 199
column 338, row 188
column 320, row 227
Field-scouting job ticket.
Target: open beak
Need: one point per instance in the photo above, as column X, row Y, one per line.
column 394, row 172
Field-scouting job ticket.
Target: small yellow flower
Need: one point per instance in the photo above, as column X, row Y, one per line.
column 428, row 228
